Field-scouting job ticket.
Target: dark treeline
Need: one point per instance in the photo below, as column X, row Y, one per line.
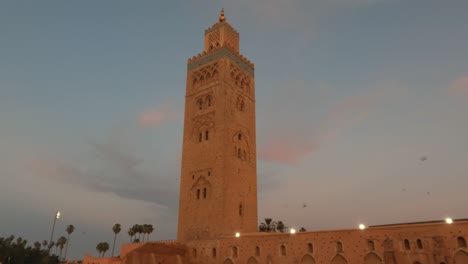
column 17, row 251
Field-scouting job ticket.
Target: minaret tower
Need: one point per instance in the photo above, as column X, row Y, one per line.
column 218, row 187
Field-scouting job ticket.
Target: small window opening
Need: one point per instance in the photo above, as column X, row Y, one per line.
column 234, row 252
column 257, row 251
column 461, row 242
column 200, row 137
column 209, row 173
column 283, row 250
column 339, row 247
column 193, row 177
column 419, row 244
column 213, row 252
column 310, row 247
column 204, row 193
column 206, row 135
column 198, row 194
column 407, row 244
column 370, row 245
column 194, row 253
column 217, row 44
column 200, row 104
column 239, row 136
column 211, row 46
column 240, row 210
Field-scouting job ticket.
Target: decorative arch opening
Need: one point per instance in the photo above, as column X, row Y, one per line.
column 215, row 74
column 407, row 244
column 208, row 76
column 257, row 251
column 338, row 259
column 461, row 242
column 310, row 248
column 372, row 258
column 213, row 252
column 228, row 261
column 461, row 257
column 339, row 247
column 419, row 244
column 283, row 250
column 252, row 260
column 241, row 210
column 307, row 259
column 235, row 252
column 370, row 245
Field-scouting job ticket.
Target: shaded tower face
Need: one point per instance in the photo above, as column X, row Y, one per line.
column 218, row 189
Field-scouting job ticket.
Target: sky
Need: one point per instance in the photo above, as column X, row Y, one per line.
column 361, row 112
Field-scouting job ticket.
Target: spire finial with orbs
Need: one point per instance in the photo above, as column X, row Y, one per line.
column 222, row 18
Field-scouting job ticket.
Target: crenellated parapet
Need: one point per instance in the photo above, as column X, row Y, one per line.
column 223, row 51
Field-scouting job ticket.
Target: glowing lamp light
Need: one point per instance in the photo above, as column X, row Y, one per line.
column 57, row 215
column 362, row 226
column 292, row 231
column 237, row 234
column 448, row 220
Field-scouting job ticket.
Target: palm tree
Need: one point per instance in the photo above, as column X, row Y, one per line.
column 268, row 226
column 69, row 230
column 302, row 229
column 131, row 233
column 37, row 245
column 145, row 231
column 51, row 245
column 150, row 230
column 44, row 243
column 105, row 247
column 61, row 243
column 280, row 226
column 116, row 228
column 99, row 248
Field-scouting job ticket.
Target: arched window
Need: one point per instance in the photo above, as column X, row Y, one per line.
column 370, row 245
column 198, row 194
column 407, row 244
column 257, row 251
column 209, row 173
column 200, row 104
column 200, row 137
column 204, row 193
column 234, row 252
column 193, row 177
column 461, row 242
column 239, row 136
column 213, row 252
column 310, row 247
column 206, row 135
column 419, row 244
column 339, row 247
column 283, row 250
column 241, row 210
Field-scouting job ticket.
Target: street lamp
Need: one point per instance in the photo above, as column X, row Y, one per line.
column 57, row 216
column 448, row 220
column 292, row 231
column 362, row 226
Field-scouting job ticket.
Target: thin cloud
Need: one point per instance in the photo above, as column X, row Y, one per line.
column 460, row 86
column 113, row 171
column 287, row 151
column 157, row 116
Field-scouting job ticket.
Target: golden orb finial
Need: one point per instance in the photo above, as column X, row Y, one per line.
column 222, row 18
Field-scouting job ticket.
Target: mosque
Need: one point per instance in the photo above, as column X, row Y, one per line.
column 218, row 188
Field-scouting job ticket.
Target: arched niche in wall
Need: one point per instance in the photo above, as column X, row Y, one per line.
column 307, row 259
column 372, row 258
column 252, row 260
column 338, row 259
column 461, row 257
column 228, row 261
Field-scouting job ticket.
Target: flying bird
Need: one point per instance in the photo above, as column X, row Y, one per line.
column 423, row 158
column 304, row 205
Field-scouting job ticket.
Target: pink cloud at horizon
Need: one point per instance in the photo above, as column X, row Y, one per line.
column 155, row 117
column 286, row 152
column 460, row 86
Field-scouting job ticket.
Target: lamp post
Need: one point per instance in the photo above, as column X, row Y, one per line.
column 57, row 216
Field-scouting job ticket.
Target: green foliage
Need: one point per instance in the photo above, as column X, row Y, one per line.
column 102, row 247
column 18, row 252
column 268, row 226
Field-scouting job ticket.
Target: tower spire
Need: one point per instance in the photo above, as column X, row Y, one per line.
column 222, row 18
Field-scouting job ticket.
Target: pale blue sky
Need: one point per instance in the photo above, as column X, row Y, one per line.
column 350, row 95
